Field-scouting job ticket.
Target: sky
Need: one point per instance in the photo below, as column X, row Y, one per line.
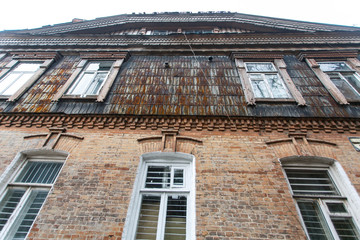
column 27, row 14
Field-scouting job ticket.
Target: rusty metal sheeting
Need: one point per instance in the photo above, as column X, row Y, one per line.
column 186, row 85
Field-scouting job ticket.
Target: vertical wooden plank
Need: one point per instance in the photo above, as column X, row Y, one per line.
column 110, row 80
column 281, row 65
column 354, row 64
column 244, row 78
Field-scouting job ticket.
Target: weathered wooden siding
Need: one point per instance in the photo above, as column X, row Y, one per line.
column 190, row 86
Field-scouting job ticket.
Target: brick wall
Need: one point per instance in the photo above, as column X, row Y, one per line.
column 241, row 192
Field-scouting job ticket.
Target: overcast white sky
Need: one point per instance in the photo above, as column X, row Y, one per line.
column 22, row 14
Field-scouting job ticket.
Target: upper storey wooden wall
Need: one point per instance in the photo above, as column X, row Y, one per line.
column 191, row 86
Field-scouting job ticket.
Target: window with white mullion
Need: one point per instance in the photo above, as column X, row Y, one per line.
column 164, row 206
column 25, row 196
column 323, row 209
column 91, row 79
column 17, row 77
column 162, row 216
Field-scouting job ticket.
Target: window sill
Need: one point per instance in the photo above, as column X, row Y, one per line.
column 353, row 101
column 320, row 196
column 4, row 97
column 275, row 100
column 80, row 97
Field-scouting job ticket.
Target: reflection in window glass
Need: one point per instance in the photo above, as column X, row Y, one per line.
column 17, row 77
column 91, row 79
column 264, row 83
column 344, row 78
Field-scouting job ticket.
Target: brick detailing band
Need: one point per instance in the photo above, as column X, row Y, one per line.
column 244, row 124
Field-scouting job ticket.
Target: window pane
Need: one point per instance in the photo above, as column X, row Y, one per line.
column 16, row 85
column 276, row 86
column 158, row 177
column 345, row 228
column 343, row 86
column 178, row 177
column 310, row 182
column 81, row 85
column 27, row 67
column 93, row 67
column 336, row 207
column 148, row 218
column 334, row 66
column 8, row 205
column 353, row 80
column 28, row 214
column 7, row 81
column 260, row 67
column 175, row 226
column 39, row 172
column 259, row 86
column 96, row 84
column 312, row 220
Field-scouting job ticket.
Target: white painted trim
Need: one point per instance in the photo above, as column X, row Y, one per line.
column 340, row 180
column 189, row 190
column 12, row 171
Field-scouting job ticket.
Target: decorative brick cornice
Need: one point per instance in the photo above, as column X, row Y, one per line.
column 244, row 124
column 178, row 40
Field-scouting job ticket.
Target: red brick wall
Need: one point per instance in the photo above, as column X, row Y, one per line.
column 241, row 192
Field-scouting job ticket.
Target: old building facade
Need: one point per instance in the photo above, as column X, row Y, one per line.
column 180, row 126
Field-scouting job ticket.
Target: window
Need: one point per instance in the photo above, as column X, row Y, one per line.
column 163, row 204
column 344, row 78
column 338, row 72
column 93, row 76
column 264, row 78
column 23, row 71
column 324, row 207
column 91, row 79
column 16, row 78
column 25, row 195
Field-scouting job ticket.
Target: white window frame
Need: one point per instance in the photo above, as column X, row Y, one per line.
column 347, row 193
column 8, row 69
column 177, row 160
column 81, row 78
column 12, row 172
column 117, row 57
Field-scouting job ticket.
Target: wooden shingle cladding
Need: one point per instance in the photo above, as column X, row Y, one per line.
column 190, row 86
